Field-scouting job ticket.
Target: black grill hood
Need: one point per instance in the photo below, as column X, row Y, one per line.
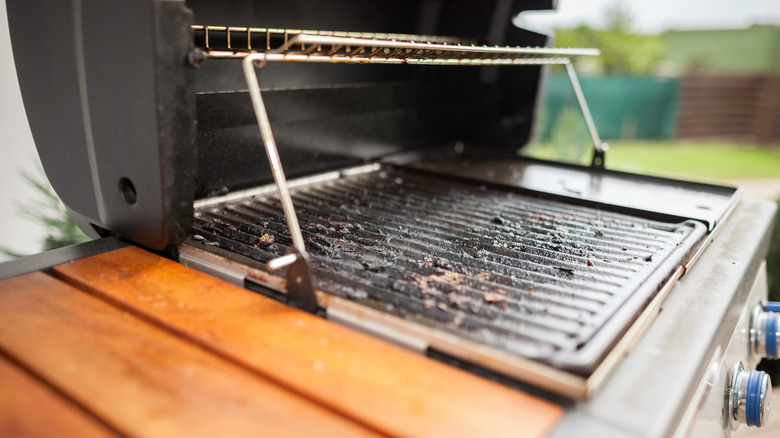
column 130, row 133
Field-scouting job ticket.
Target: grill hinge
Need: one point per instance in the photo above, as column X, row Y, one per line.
column 300, row 292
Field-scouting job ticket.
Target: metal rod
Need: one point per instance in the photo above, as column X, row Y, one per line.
column 282, row 262
column 271, row 150
column 599, row 148
column 539, row 51
column 443, row 59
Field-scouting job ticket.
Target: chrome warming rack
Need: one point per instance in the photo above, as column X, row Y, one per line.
column 257, row 46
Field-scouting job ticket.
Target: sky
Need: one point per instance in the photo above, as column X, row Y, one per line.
column 654, row 16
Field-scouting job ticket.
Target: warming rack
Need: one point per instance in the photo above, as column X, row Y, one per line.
column 257, row 46
column 367, row 48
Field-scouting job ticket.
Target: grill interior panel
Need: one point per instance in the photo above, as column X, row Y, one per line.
column 529, row 276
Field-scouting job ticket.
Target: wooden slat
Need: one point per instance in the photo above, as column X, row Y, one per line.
column 30, row 408
column 139, row 379
column 381, row 385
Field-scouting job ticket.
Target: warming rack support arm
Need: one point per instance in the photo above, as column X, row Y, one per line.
column 271, row 150
column 599, row 148
column 300, row 291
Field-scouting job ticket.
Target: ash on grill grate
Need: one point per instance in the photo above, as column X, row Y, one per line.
column 529, row 276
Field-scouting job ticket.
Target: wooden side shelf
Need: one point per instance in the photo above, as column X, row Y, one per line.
column 132, row 343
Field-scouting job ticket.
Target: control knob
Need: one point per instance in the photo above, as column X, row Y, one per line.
column 749, row 397
column 772, row 306
column 765, row 331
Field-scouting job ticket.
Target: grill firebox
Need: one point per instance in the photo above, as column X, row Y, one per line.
column 533, row 277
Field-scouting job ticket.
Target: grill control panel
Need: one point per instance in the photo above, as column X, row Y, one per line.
column 732, row 392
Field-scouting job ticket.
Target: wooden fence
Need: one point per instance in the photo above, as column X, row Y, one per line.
column 734, row 107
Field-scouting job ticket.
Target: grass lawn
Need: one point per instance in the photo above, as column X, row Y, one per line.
column 698, row 160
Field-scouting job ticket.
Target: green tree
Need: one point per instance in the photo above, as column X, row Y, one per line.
column 622, row 50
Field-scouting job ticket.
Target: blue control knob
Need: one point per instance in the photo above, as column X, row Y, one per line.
column 772, row 306
column 750, row 397
column 765, row 333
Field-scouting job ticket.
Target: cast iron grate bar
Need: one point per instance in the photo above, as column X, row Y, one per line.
column 530, row 276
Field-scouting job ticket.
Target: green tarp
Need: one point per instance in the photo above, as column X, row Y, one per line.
column 622, row 106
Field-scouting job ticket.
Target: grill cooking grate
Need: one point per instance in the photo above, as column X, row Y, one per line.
column 530, row 276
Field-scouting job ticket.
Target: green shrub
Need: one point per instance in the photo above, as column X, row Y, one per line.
column 50, row 213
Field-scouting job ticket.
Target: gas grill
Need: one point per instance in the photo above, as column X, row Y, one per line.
column 368, row 173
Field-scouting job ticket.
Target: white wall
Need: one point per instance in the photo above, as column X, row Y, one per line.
column 17, row 152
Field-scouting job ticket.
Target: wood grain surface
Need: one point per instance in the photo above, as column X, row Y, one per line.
column 377, row 384
column 30, row 408
column 140, row 379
